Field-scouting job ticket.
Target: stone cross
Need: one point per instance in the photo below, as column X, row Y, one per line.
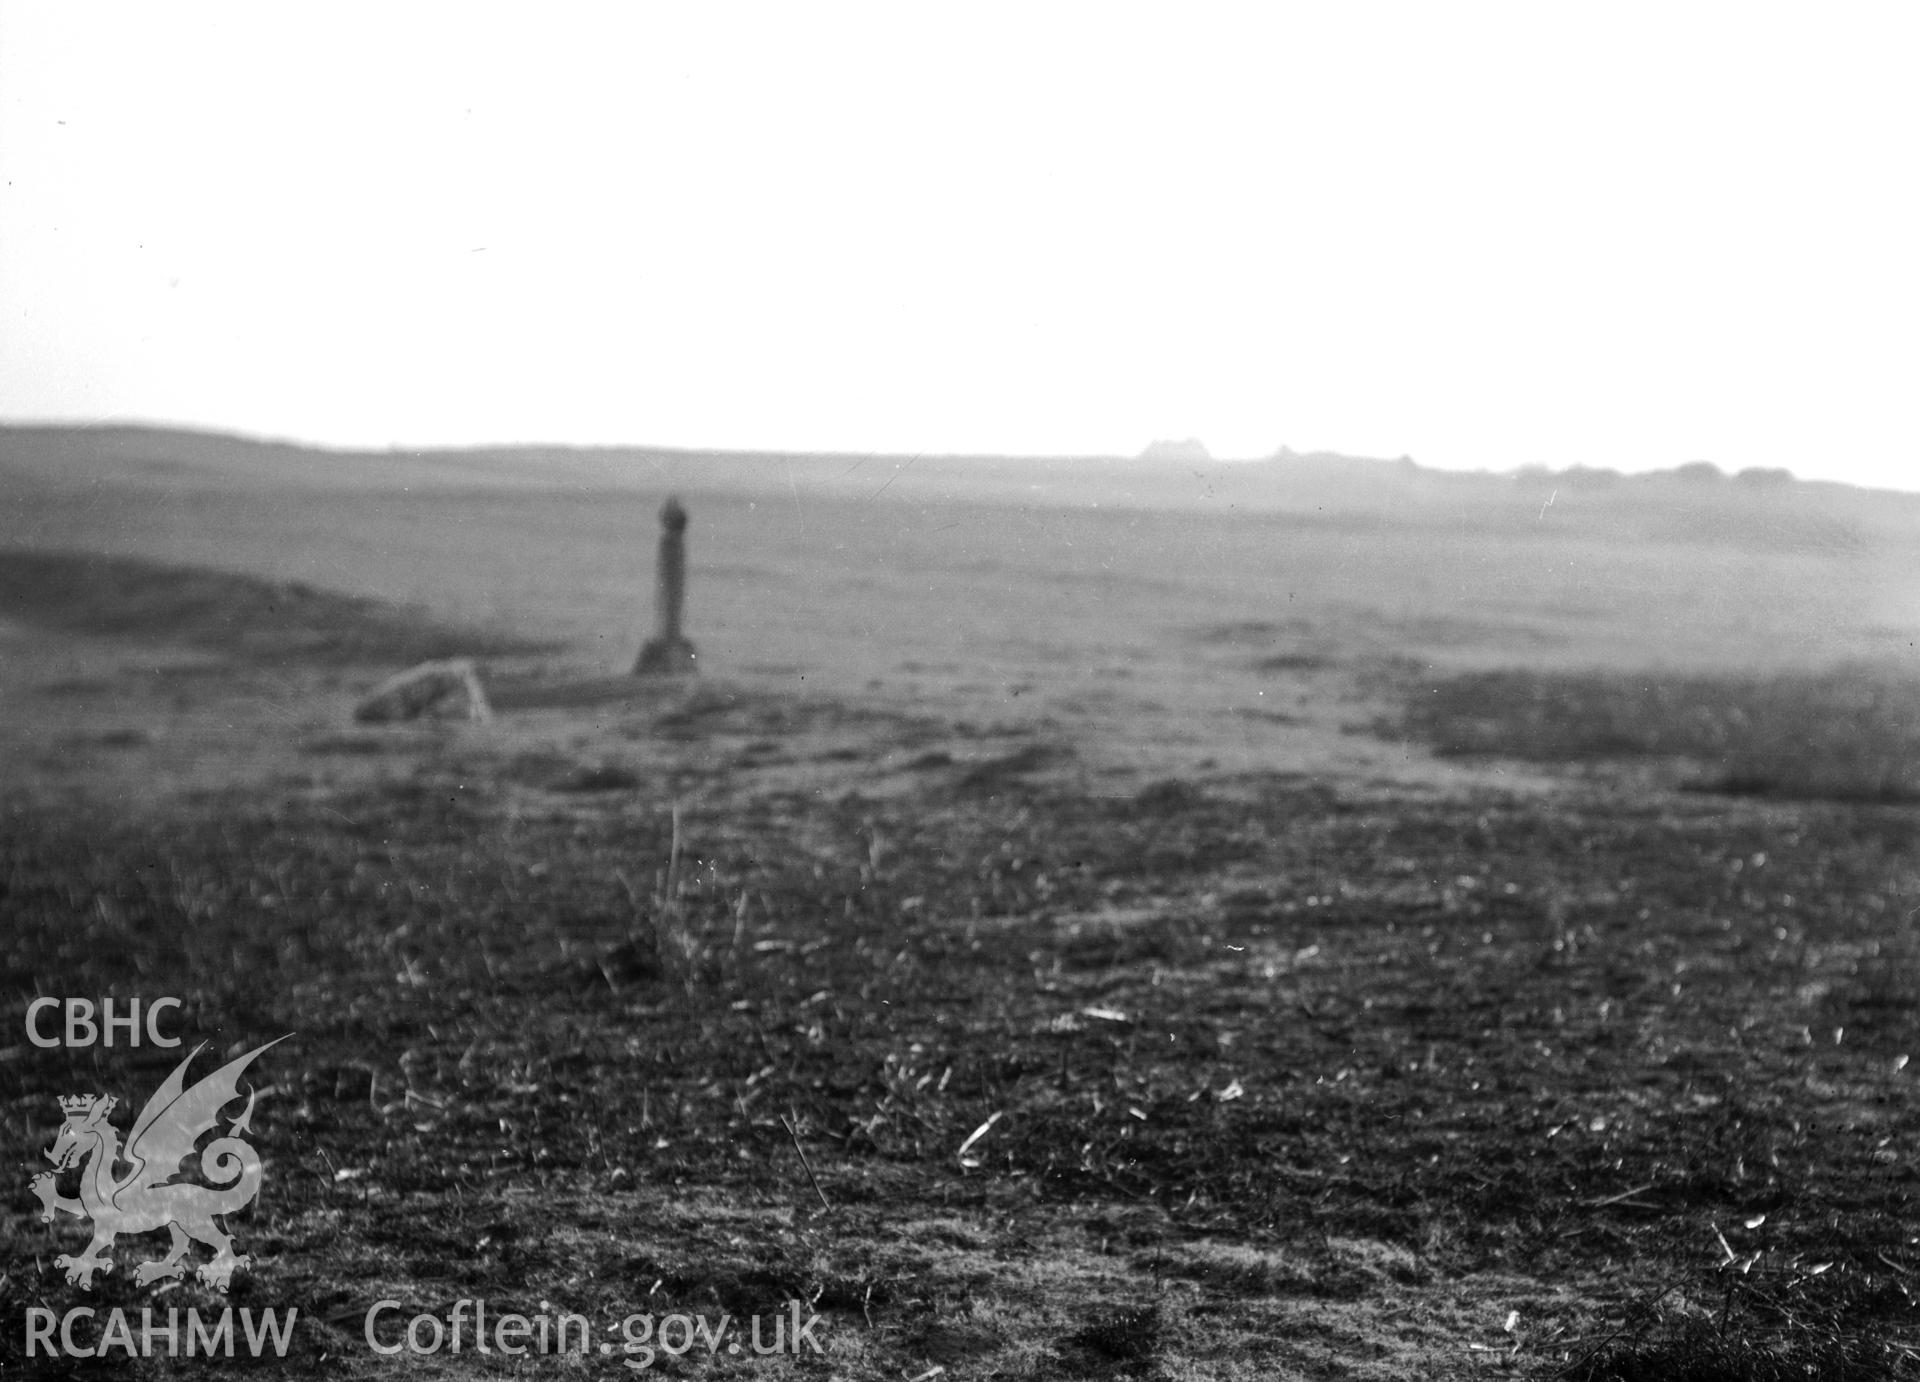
column 668, row 650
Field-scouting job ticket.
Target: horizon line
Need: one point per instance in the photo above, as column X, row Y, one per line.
column 1283, row 452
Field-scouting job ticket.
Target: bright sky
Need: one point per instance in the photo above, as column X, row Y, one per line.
column 1483, row 235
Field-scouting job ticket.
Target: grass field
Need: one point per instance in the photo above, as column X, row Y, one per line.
column 1845, row 734
column 1314, row 930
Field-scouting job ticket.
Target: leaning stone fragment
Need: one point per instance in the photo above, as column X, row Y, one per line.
column 432, row 687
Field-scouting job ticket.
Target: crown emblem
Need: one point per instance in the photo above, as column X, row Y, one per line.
column 77, row 1103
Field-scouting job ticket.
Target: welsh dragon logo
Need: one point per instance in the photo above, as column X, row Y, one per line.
column 148, row 1197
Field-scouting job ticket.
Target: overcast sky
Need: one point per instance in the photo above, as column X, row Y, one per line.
column 1482, row 235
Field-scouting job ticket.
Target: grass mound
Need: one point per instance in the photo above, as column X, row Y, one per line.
column 223, row 610
column 1852, row 734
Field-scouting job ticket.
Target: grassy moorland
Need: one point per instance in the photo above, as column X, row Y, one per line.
column 1198, row 1022
column 1843, row 734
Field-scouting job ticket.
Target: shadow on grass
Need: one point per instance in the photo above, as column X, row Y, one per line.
column 229, row 612
column 1702, row 1352
column 1851, row 734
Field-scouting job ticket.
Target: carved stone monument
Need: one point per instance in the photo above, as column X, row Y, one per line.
column 668, row 651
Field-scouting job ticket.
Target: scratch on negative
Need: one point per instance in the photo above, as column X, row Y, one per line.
column 891, row 478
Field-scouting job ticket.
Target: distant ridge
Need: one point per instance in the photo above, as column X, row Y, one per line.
column 1696, row 474
column 1190, row 452
column 1169, row 470
column 1286, row 455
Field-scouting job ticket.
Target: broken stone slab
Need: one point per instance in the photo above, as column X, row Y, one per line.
column 430, row 688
